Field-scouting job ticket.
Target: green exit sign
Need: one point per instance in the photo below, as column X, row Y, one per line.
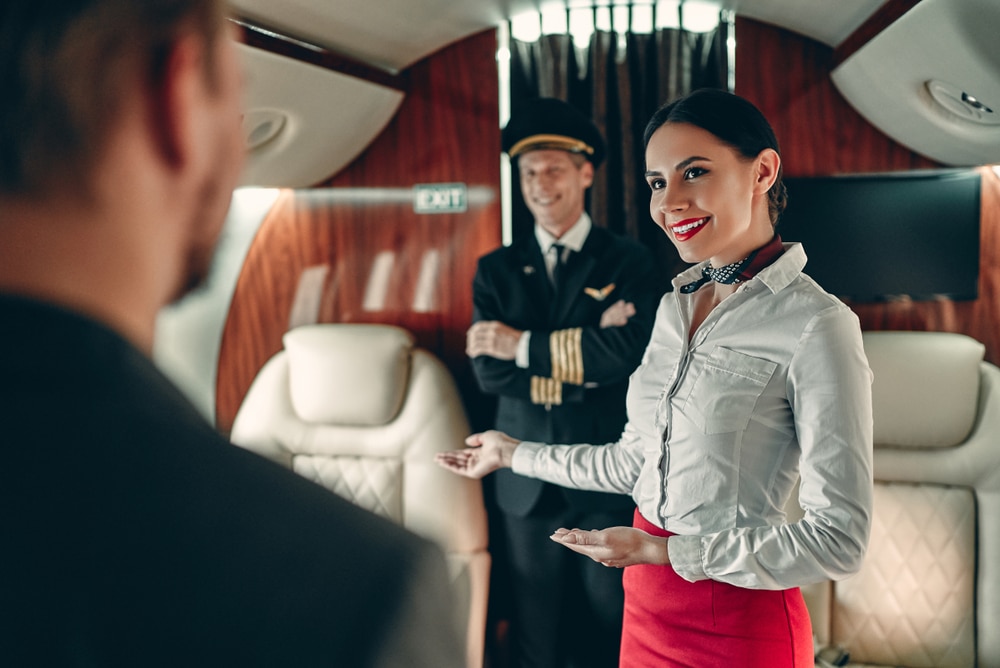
column 440, row 198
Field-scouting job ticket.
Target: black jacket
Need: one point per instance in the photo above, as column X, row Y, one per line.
column 512, row 286
column 134, row 535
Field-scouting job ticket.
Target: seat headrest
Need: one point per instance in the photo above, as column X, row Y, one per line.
column 926, row 388
column 348, row 374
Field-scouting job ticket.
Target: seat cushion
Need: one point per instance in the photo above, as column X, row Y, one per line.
column 374, row 358
column 926, row 388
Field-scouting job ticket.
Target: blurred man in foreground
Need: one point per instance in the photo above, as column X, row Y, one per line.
column 133, row 533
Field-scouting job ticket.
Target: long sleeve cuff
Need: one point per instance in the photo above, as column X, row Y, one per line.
column 685, row 556
column 523, row 461
column 521, row 357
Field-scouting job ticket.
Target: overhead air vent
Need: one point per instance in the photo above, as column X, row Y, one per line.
column 962, row 104
column 261, row 126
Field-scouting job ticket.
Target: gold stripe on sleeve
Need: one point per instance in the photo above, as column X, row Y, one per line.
column 567, row 355
column 546, row 391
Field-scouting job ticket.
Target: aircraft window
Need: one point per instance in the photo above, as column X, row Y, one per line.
column 581, row 22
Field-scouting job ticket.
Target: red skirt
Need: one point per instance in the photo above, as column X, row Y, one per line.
column 670, row 622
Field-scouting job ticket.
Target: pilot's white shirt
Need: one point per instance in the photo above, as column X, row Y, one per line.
column 773, row 385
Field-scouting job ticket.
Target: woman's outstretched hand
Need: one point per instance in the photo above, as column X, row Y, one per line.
column 487, row 452
column 616, row 547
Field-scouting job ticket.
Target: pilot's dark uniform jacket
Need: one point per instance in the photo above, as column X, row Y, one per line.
column 572, row 390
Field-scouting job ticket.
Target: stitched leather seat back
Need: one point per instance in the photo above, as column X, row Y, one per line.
column 360, row 410
column 928, row 594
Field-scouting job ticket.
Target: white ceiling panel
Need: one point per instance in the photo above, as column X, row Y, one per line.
column 322, row 120
column 826, row 21
column 394, row 34
column 327, row 119
column 391, row 34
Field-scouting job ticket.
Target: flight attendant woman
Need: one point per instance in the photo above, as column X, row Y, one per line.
column 754, row 378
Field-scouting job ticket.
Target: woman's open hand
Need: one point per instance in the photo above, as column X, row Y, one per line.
column 487, row 452
column 616, row 547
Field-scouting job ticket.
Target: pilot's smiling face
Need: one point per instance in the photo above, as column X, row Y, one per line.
column 553, row 184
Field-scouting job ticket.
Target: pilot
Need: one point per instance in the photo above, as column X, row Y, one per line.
column 561, row 318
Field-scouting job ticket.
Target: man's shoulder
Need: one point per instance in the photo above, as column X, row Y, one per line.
column 618, row 252
column 607, row 240
column 517, row 250
column 506, row 261
column 282, row 499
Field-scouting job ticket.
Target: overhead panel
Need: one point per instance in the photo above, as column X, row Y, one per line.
column 826, row 22
column 304, row 123
column 392, row 34
column 929, row 81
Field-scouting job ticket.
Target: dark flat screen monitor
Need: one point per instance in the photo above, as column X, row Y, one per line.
column 876, row 237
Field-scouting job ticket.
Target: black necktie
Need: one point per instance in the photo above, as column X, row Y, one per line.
column 557, row 268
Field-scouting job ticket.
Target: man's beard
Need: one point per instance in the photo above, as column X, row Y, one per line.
column 197, row 269
column 210, row 216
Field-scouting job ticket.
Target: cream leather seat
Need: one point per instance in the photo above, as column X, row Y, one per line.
column 358, row 409
column 928, row 594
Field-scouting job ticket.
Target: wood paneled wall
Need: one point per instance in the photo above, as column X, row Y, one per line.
column 788, row 77
column 319, row 252
column 354, row 250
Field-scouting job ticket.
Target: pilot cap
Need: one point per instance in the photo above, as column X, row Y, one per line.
column 548, row 123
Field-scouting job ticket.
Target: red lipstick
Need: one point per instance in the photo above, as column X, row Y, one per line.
column 685, row 229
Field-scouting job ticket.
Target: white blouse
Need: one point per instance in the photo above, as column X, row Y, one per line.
column 773, row 387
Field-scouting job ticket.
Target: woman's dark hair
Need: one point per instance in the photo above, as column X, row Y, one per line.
column 732, row 120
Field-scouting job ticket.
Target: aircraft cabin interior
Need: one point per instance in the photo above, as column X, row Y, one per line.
column 330, row 336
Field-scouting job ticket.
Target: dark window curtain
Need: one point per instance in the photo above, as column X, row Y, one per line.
column 619, row 85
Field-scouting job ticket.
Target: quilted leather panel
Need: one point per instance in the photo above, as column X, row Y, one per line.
column 368, row 415
column 912, row 603
column 372, row 483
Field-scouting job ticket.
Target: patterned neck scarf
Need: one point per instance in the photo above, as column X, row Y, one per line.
column 741, row 270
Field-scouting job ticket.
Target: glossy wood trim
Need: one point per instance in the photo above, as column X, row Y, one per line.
column 819, row 132
column 274, row 41
column 883, row 17
column 354, row 250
